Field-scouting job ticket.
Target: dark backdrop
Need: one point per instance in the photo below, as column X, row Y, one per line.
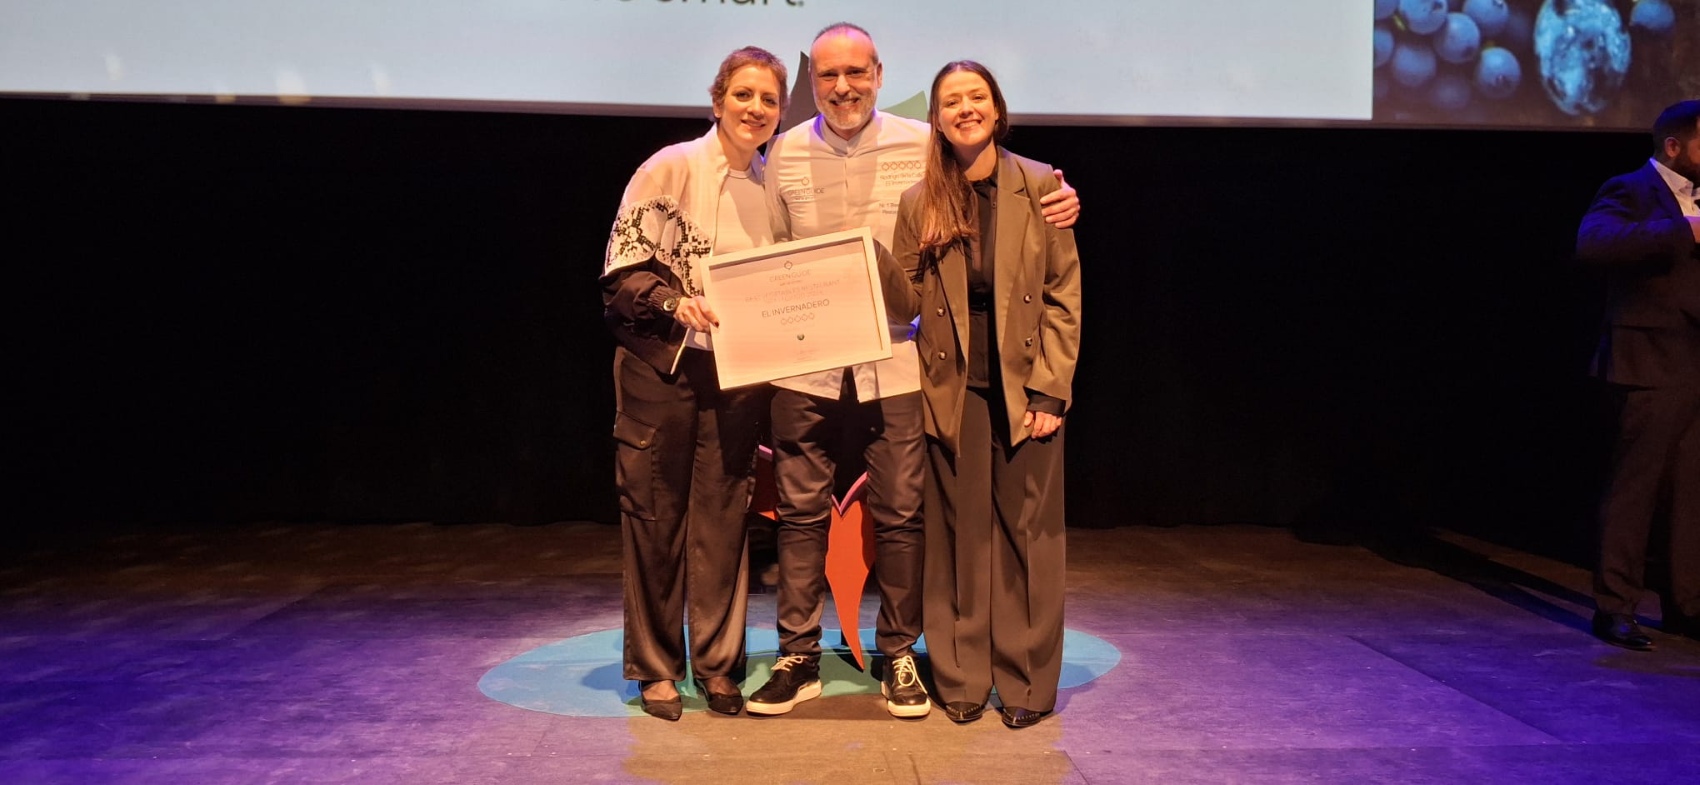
column 240, row 313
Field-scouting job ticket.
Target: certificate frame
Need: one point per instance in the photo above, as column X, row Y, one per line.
column 797, row 307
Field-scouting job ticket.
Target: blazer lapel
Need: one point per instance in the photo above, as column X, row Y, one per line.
column 1684, row 274
column 1661, row 191
column 1013, row 209
column 953, row 278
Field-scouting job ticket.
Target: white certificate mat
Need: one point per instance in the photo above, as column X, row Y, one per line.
column 798, row 307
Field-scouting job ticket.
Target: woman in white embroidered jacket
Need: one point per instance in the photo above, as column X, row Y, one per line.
column 685, row 449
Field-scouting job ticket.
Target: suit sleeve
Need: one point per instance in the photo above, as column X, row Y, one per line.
column 1059, row 330
column 900, row 266
column 1617, row 233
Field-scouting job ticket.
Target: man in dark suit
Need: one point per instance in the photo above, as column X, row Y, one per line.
column 1642, row 231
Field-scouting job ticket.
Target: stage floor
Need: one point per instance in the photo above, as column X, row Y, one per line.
column 370, row 654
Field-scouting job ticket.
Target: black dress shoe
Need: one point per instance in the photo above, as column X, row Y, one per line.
column 1620, row 629
column 964, row 711
column 722, row 701
column 669, row 709
column 1017, row 717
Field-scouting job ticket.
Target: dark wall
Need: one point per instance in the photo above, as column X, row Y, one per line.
column 235, row 313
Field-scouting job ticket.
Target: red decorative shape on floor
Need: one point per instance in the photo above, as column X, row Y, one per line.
column 849, row 547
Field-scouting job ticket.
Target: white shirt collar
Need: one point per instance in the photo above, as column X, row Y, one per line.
column 1679, row 185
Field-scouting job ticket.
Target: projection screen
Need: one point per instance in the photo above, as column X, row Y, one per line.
column 1487, row 63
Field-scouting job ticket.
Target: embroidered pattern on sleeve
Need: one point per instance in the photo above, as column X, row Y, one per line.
column 658, row 228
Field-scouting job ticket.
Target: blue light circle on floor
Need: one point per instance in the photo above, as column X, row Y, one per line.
column 581, row 676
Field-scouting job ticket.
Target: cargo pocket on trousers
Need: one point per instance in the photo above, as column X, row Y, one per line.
column 634, row 465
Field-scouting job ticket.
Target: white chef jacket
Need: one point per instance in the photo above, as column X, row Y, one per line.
column 818, row 183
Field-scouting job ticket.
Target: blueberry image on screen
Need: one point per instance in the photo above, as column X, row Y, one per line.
column 1653, row 16
column 1383, row 45
column 1449, row 93
column 1423, row 16
column 1459, row 40
column 1490, row 16
column 1498, row 73
column 1385, row 8
column 1413, row 63
column 1584, row 53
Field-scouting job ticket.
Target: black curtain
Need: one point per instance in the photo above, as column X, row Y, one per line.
column 239, row 313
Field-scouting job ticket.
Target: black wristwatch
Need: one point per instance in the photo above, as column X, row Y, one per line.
column 669, row 305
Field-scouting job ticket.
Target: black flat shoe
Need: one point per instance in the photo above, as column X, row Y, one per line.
column 730, row 703
column 1620, row 629
column 1017, row 717
column 669, row 709
column 964, row 711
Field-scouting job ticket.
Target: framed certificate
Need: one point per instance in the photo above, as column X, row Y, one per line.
column 797, row 307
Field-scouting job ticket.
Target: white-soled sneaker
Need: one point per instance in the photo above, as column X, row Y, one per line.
column 904, row 694
column 796, row 678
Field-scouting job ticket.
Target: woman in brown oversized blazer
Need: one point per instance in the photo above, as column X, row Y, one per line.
column 998, row 294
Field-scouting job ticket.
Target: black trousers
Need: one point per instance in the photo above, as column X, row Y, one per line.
column 996, row 561
column 684, row 459
column 810, row 434
column 1655, row 466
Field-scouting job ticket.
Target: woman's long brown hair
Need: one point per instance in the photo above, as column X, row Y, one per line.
column 948, row 207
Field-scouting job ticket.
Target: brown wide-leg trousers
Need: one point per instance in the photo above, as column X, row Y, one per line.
column 995, row 563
